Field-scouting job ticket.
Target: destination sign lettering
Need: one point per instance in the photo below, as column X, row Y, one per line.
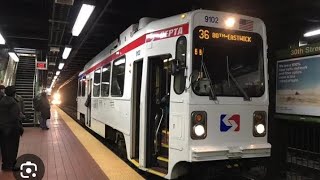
column 206, row 34
column 231, row 37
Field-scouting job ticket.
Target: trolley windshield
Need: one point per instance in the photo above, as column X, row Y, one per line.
column 227, row 63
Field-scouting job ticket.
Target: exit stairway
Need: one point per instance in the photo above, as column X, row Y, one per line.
column 25, row 86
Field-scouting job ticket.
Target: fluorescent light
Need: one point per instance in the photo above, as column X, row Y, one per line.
column 14, row 56
column 25, row 50
column 2, row 41
column 24, row 54
column 312, row 33
column 61, row 66
column 82, row 19
column 49, row 90
column 120, row 61
column 57, row 73
column 55, row 77
column 302, row 43
column 66, row 52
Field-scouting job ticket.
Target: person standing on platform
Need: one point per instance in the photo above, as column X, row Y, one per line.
column 10, row 130
column 11, row 91
column 20, row 101
column 45, row 110
column 2, row 89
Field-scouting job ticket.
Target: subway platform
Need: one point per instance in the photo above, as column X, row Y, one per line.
column 69, row 152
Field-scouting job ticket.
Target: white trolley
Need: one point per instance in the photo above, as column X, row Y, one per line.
column 181, row 92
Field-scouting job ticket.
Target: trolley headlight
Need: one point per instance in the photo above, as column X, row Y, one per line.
column 199, row 130
column 260, row 128
column 259, row 123
column 198, row 125
column 56, row 102
column 56, row 99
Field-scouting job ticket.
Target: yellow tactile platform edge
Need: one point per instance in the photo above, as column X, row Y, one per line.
column 110, row 164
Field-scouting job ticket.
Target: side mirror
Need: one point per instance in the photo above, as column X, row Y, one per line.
column 176, row 67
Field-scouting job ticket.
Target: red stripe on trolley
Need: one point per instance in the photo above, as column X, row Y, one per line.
column 153, row 36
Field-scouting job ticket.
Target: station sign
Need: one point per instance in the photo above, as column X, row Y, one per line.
column 308, row 50
column 41, row 65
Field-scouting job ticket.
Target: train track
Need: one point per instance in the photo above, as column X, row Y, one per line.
column 72, row 112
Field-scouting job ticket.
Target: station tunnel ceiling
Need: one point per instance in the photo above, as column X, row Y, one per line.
column 46, row 25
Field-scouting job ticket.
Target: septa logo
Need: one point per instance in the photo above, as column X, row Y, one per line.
column 228, row 123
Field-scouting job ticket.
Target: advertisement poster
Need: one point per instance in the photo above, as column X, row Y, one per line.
column 298, row 86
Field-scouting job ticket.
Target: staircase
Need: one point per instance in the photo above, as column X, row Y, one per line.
column 24, row 86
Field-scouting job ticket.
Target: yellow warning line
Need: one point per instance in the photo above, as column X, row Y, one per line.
column 110, row 164
column 156, row 173
column 135, row 162
column 163, row 159
column 165, row 132
column 164, row 145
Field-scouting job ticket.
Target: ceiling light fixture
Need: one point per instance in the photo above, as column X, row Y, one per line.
column 61, row 65
column 2, row 41
column 57, row 73
column 83, row 16
column 312, row 33
column 66, row 52
column 25, row 50
column 13, row 56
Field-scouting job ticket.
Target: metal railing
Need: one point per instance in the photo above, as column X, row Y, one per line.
column 35, row 117
column 303, row 150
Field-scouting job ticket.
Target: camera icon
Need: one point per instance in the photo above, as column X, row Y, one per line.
column 28, row 169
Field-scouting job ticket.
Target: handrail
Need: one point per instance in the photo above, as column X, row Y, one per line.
column 33, row 95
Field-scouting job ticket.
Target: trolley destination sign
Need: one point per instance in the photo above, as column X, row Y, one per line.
column 206, row 34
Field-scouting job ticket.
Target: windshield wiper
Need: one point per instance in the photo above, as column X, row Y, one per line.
column 245, row 95
column 212, row 94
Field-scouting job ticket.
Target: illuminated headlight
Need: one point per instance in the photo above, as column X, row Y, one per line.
column 198, row 125
column 55, row 101
column 260, row 128
column 230, row 22
column 259, row 123
column 199, row 130
column 56, row 96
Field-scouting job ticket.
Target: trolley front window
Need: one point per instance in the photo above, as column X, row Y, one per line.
column 229, row 61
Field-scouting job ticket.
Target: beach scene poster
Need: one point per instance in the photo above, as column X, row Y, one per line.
column 298, row 86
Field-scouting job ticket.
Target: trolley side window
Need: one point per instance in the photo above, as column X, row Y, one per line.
column 83, row 86
column 79, row 87
column 118, row 74
column 96, row 83
column 105, row 82
column 181, row 51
